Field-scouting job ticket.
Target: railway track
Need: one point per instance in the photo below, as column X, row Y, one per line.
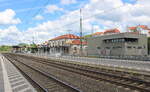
column 46, row 82
column 134, row 84
column 119, row 80
column 134, row 75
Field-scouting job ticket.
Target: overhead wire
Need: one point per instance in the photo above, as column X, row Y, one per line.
column 36, row 13
column 94, row 15
column 29, row 12
column 39, row 10
column 74, row 22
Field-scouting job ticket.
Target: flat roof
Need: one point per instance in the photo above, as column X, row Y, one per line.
column 119, row 35
column 16, row 47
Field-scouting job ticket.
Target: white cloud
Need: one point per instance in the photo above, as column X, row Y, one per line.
column 118, row 18
column 67, row 2
column 29, row 9
column 39, row 17
column 10, row 35
column 8, row 17
column 128, row 15
column 52, row 9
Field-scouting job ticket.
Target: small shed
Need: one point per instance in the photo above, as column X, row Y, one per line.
column 16, row 49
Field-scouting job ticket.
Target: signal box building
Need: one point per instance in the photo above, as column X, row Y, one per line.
column 114, row 43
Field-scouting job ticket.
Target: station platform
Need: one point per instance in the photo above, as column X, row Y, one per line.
column 11, row 80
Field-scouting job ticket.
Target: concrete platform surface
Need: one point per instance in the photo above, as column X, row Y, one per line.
column 129, row 64
column 11, row 80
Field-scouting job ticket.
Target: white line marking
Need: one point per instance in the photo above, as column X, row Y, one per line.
column 24, row 90
column 20, row 85
column 7, row 85
column 16, row 82
column 14, row 78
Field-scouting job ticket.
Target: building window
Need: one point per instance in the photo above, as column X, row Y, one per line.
column 75, row 48
column 113, row 40
column 131, row 40
column 117, row 40
column 107, row 47
column 118, row 47
column 122, row 40
column 129, row 47
column 107, row 41
column 139, row 47
column 114, row 47
column 98, row 47
column 63, row 42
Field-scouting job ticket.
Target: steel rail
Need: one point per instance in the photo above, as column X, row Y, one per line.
column 52, row 77
column 8, row 58
column 64, row 67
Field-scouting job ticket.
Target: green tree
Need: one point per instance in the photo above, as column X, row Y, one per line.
column 33, row 45
column 5, row 48
column 23, row 44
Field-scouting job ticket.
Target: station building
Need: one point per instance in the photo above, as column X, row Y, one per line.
column 67, row 44
column 43, row 48
column 114, row 43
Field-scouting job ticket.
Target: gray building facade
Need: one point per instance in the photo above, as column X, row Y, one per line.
column 120, row 44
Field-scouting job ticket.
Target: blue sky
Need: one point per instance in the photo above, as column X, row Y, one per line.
column 26, row 10
column 21, row 20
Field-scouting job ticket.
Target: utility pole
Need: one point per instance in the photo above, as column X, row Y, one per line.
column 81, row 47
column 127, row 29
column 33, row 40
column 92, row 31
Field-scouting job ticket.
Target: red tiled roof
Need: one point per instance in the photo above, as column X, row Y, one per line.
column 98, row 33
column 67, row 36
column 132, row 28
column 141, row 26
column 112, row 31
column 78, row 42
